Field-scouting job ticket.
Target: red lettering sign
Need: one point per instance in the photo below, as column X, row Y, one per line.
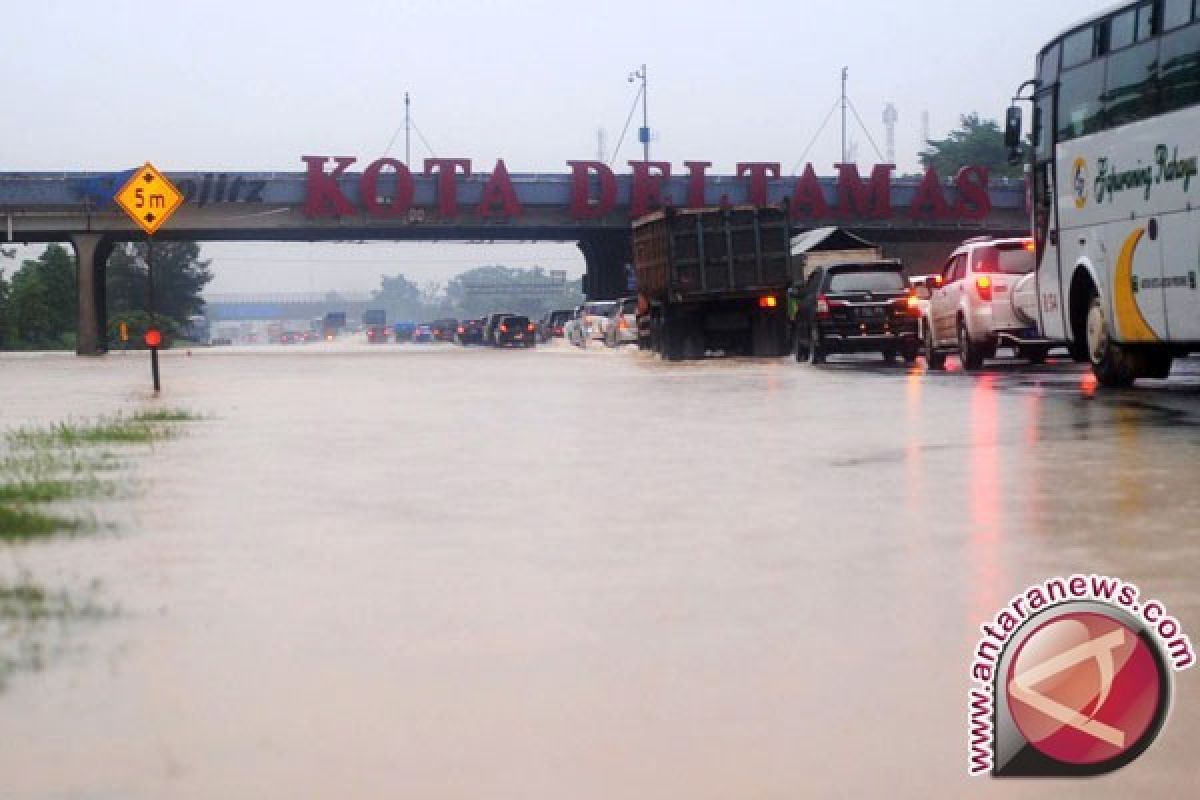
column 930, row 201
column 808, row 201
column 758, row 172
column 645, row 194
column 582, row 205
column 401, row 201
column 973, row 202
column 696, row 182
column 325, row 198
column 447, row 193
column 499, row 197
column 871, row 200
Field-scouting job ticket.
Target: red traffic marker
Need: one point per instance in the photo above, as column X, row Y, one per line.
column 153, row 337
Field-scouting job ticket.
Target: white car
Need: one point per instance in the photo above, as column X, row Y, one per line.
column 595, row 317
column 971, row 309
column 622, row 323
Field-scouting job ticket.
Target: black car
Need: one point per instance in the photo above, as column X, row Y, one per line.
column 490, row 323
column 864, row 307
column 552, row 324
column 515, row 330
column 470, row 331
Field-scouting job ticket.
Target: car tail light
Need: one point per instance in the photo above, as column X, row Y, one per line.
column 531, row 327
column 937, row 281
column 825, row 306
column 504, row 329
column 984, row 284
column 461, row 329
column 1030, row 246
column 770, row 301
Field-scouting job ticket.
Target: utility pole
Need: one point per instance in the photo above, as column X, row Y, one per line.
column 407, row 125
column 644, row 131
column 845, row 76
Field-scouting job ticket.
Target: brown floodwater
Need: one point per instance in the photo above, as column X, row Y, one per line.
column 443, row 573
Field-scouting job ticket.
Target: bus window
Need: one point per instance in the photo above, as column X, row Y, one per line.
column 1079, row 47
column 1048, row 69
column 1121, row 30
column 1176, row 13
column 1043, row 119
column 1080, row 111
column 1132, row 86
column 1145, row 21
column 1180, row 56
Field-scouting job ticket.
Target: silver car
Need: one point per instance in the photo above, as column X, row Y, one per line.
column 622, row 326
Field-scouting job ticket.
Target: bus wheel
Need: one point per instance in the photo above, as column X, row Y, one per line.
column 1112, row 363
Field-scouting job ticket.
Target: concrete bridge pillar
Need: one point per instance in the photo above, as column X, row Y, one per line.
column 91, row 257
column 607, row 254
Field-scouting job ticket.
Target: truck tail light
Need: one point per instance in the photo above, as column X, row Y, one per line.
column 770, row 301
column 984, row 284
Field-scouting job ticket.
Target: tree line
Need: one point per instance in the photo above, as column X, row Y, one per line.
column 38, row 302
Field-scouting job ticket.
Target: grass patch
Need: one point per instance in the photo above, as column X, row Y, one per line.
column 21, row 524
column 141, row 427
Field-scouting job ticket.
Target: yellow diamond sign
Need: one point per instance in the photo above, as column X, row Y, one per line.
column 149, row 198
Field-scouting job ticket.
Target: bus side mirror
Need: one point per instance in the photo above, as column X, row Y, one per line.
column 1012, row 134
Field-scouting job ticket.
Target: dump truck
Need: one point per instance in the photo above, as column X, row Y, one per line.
column 374, row 322
column 713, row 280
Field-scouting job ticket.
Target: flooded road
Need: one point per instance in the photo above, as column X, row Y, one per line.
column 445, row 573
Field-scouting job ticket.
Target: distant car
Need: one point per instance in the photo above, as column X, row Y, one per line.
column 859, row 307
column 312, row 336
column 377, row 334
column 490, row 323
column 972, row 311
column 515, row 330
column 552, row 324
column 403, row 331
column 622, row 326
column 595, row 317
column 291, row 337
column 470, row 331
column 423, row 334
column 444, row 329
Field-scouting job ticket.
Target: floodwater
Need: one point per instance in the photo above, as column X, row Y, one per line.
column 432, row 572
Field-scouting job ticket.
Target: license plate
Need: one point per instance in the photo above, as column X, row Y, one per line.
column 870, row 312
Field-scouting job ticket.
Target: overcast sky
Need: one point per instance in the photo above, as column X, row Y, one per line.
column 253, row 85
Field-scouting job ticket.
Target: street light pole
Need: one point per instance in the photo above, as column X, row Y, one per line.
column 644, row 131
column 407, row 125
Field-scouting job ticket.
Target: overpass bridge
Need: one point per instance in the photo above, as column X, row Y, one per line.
column 916, row 218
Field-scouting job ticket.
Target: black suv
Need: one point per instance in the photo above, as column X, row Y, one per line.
column 470, row 331
column 515, row 330
column 552, row 324
column 864, row 307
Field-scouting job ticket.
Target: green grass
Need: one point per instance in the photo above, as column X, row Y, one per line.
column 21, row 524
column 142, row 427
column 35, row 623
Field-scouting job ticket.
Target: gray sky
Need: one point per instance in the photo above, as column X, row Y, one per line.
column 255, row 85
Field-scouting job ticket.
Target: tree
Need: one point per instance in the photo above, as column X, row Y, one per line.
column 977, row 142
column 179, row 278
column 42, row 301
column 400, row 297
column 5, row 292
column 481, row 290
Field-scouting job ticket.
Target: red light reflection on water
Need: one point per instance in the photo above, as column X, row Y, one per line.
column 984, row 492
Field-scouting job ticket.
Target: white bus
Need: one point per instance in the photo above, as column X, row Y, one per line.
column 1115, row 189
